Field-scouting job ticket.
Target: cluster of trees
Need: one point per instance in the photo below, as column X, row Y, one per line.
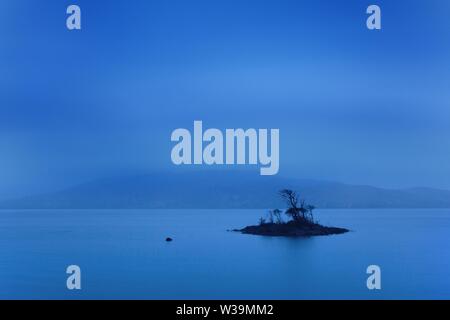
column 298, row 210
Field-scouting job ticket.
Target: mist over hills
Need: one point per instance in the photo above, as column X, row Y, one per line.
column 222, row 190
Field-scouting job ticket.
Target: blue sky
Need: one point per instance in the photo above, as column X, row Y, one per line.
column 352, row 105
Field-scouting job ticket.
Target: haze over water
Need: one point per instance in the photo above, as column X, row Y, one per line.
column 123, row 254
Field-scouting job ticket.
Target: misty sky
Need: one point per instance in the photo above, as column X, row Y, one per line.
column 352, row 105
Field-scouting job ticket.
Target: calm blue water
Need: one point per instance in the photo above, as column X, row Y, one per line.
column 122, row 254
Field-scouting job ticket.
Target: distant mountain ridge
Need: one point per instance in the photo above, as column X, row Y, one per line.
column 223, row 190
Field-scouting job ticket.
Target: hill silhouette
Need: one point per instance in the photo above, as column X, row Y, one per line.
column 222, row 190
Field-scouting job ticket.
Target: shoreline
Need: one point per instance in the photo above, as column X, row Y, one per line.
column 291, row 229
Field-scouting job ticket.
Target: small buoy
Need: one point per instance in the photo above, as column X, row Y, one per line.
column 169, row 239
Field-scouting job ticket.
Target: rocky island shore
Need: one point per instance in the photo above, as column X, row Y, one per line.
column 291, row 229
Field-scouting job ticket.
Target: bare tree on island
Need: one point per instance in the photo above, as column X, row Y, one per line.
column 302, row 212
column 275, row 217
column 310, row 209
column 291, row 199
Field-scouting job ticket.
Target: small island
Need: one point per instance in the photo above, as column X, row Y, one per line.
column 301, row 221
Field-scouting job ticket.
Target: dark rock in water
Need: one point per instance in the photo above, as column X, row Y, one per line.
column 291, row 229
column 169, row 239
